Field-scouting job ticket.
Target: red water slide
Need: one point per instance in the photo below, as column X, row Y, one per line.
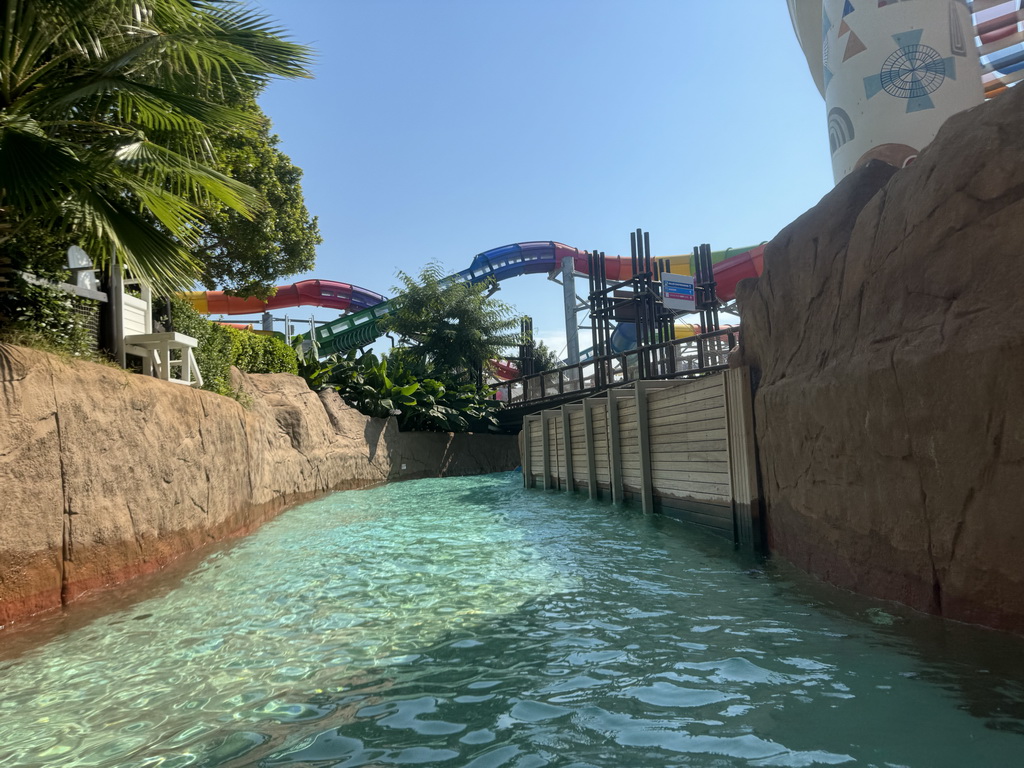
column 730, row 271
column 305, row 293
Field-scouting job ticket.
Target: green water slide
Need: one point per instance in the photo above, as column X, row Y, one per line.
column 351, row 331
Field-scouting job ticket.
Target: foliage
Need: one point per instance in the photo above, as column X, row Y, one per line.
column 44, row 315
column 107, row 108
column 248, row 256
column 32, row 311
column 455, row 327
column 221, row 347
column 260, row 353
column 213, row 352
column 383, row 387
column 545, row 358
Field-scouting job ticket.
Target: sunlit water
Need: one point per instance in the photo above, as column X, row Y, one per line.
column 467, row 622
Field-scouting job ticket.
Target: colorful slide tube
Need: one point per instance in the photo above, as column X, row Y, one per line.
column 366, row 307
column 999, row 26
column 305, row 293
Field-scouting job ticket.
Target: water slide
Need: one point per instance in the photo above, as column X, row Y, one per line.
column 360, row 327
column 305, row 293
column 999, row 26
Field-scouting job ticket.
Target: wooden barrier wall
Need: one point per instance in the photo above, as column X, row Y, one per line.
column 684, row 448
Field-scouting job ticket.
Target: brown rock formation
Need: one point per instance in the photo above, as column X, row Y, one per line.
column 888, row 342
column 105, row 475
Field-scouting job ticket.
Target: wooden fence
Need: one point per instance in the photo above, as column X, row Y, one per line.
column 684, row 448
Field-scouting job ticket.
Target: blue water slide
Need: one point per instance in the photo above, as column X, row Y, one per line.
column 518, row 259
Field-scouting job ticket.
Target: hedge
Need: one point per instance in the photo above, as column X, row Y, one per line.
column 220, row 347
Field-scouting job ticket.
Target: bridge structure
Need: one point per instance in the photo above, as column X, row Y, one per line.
column 674, row 359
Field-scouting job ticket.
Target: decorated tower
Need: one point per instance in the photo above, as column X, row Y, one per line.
column 891, row 73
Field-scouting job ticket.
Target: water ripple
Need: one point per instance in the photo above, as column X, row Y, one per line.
column 466, row 622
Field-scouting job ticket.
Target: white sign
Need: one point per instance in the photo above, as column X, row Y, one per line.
column 677, row 292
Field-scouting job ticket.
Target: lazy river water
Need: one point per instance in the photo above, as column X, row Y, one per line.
column 468, row 622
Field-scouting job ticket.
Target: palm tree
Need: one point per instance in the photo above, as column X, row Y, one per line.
column 106, row 112
column 455, row 327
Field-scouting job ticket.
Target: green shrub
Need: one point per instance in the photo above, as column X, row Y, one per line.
column 37, row 314
column 259, row 353
column 221, row 347
column 385, row 387
column 43, row 314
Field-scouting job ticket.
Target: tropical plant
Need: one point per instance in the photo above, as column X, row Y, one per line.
column 383, row 387
column 455, row 327
column 107, row 108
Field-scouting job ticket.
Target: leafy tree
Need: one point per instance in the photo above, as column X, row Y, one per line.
column 107, row 108
column 454, row 326
column 248, row 256
column 545, row 358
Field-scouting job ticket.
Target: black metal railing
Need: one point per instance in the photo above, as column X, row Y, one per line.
column 677, row 358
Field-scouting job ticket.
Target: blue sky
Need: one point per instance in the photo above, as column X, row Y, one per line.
column 437, row 129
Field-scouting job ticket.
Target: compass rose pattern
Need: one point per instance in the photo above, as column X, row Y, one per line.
column 912, row 72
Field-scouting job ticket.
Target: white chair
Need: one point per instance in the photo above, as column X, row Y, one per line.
column 166, row 355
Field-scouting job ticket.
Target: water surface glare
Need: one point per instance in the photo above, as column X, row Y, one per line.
column 467, row 622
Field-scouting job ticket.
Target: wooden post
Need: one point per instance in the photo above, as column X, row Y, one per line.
column 588, row 432
column 644, row 442
column 529, row 435
column 545, row 450
column 746, row 493
column 567, row 449
column 615, row 444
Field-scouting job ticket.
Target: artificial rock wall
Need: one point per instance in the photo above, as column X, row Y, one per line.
column 105, row 475
column 886, row 337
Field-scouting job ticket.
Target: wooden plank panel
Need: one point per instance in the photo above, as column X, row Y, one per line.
column 668, row 446
column 687, row 407
column 681, row 399
column 692, row 386
column 694, row 468
column 708, row 481
column 693, row 463
column 713, row 493
column 697, row 423
column 716, row 412
column 719, row 525
column 670, row 419
column 537, row 453
column 579, row 462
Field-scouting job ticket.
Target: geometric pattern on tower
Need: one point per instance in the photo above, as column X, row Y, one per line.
column 912, row 72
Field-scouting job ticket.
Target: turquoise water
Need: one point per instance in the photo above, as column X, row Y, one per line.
column 467, row 622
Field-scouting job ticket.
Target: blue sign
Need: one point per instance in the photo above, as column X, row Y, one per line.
column 677, row 293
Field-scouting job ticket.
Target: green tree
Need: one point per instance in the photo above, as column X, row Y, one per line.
column 454, row 326
column 249, row 256
column 107, row 108
column 545, row 358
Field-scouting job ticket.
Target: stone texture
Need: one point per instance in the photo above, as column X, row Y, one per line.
column 886, row 340
column 105, row 475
